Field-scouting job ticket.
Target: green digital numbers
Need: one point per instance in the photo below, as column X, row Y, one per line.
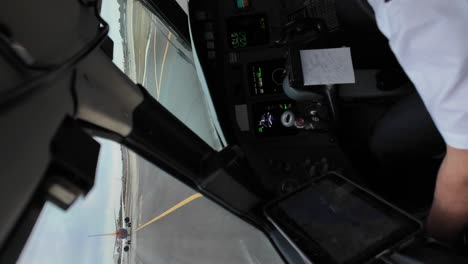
column 239, row 40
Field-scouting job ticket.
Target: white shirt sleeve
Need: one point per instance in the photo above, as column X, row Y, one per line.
column 430, row 40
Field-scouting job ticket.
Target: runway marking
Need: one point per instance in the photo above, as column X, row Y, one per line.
column 175, row 207
column 155, row 62
column 139, row 50
column 164, row 61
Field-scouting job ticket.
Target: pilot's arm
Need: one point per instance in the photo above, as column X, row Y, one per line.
column 430, row 40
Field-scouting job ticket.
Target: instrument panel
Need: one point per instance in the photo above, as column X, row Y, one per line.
column 242, row 54
column 247, row 31
column 242, row 58
column 266, row 77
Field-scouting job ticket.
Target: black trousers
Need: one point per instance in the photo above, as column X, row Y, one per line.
column 406, row 133
column 409, row 150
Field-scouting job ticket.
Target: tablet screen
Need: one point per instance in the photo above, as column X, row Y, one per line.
column 343, row 220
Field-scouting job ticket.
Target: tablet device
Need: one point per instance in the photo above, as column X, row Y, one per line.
column 333, row 220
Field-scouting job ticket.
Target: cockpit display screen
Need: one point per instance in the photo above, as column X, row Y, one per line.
column 242, row 4
column 268, row 119
column 335, row 221
column 266, row 77
column 247, row 31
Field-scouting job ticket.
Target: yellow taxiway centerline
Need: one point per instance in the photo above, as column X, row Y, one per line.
column 175, row 207
column 164, row 62
column 155, row 61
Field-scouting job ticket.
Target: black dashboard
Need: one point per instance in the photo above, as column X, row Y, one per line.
column 246, row 49
column 241, row 49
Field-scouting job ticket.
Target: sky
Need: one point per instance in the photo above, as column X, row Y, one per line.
column 62, row 236
column 110, row 13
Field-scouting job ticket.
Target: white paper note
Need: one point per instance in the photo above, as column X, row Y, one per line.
column 327, row 66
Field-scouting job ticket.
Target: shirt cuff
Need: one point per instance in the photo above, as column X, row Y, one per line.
column 454, row 140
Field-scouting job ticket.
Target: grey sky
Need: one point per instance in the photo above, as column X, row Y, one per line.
column 110, row 13
column 62, row 237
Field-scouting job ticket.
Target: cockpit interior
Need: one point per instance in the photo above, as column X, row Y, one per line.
column 250, row 55
column 294, row 126
column 301, row 90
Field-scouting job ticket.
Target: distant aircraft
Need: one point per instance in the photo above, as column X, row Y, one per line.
column 120, row 234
